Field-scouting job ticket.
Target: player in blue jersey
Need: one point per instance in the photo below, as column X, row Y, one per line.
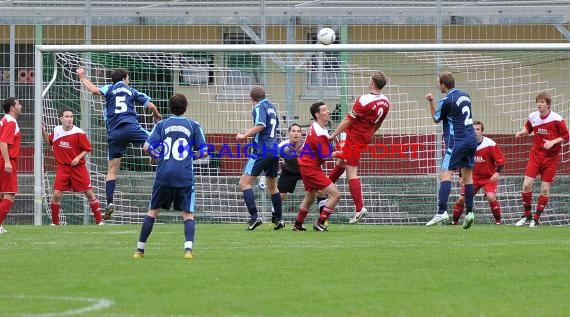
column 263, row 158
column 454, row 111
column 173, row 142
column 121, row 119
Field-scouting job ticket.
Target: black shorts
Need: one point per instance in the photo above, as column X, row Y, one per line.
column 287, row 181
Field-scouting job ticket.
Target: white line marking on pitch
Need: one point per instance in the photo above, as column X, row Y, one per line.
column 97, row 304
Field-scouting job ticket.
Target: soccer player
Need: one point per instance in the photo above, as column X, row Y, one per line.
column 121, row 118
column 70, row 146
column 550, row 131
column 316, row 149
column 489, row 162
column 10, row 137
column 264, row 157
column 366, row 117
column 461, row 144
column 173, row 142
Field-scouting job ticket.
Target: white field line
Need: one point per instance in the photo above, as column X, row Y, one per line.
column 96, row 304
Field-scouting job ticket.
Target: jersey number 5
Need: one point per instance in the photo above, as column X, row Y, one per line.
column 120, row 104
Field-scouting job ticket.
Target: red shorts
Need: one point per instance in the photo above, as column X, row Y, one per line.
column 314, row 178
column 545, row 166
column 72, row 178
column 488, row 187
column 352, row 151
column 9, row 181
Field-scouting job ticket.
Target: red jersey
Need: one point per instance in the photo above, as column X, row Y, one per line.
column 10, row 134
column 368, row 111
column 316, row 148
column 545, row 129
column 68, row 144
column 487, row 158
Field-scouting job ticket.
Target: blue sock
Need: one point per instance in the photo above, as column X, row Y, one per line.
column 189, row 229
column 249, row 198
column 469, row 193
column 277, row 205
column 146, row 229
column 110, row 191
column 443, row 197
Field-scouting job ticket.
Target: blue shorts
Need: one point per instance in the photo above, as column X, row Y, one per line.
column 180, row 198
column 255, row 166
column 119, row 139
column 458, row 157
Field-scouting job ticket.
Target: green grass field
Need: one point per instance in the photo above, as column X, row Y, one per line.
column 348, row 271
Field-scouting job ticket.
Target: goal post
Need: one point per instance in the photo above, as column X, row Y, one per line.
column 398, row 171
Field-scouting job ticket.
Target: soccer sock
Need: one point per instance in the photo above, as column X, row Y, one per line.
column 301, row 215
column 110, row 190
column 96, row 210
column 457, row 211
column 469, row 194
column 336, row 173
column 443, row 196
column 249, row 198
column 527, row 204
column 146, row 228
column 542, row 201
column 189, row 230
column 355, row 188
column 54, row 213
column 5, row 206
column 496, row 210
column 277, row 206
column 325, row 214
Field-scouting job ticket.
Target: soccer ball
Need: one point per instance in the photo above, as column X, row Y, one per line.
column 326, row 36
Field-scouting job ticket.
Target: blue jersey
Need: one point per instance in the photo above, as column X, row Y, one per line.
column 173, row 141
column 455, row 112
column 120, row 104
column 267, row 141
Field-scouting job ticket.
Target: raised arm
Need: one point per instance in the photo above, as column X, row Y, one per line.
column 87, row 83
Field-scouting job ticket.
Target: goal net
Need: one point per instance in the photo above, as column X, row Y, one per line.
column 399, row 171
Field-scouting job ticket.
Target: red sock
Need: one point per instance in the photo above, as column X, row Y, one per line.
column 325, row 214
column 542, row 201
column 496, row 210
column 336, row 173
column 5, row 206
column 55, row 213
column 301, row 215
column 96, row 210
column 355, row 189
column 457, row 212
column 527, row 203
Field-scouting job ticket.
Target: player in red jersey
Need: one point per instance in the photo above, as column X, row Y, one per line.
column 550, row 131
column 70, row 145
column 489, row 162
column 366, row 117
column 316, row 149
column 10, row 152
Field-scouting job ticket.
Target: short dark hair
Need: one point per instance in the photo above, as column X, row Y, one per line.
column 479, row 123
column 178, row 104
column 257, row 93
column 447, row 79
column 315, row 108
column 8, row 103
column 293, row 125
column 544, row 95
column 118, row 75
column 379, row 80
column 64, row 110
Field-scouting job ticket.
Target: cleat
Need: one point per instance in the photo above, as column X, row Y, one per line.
column 279, row 225
column 2, row 229
column 455, row 223
column 533, row 224
column 358, row 215
column 521, row 222
column 298, row 228
column 254, row 223
column 319, row 227
column 138, row 255
column 101, row 223
column 498, row 223
column 109, row 211
column 188, row 255
column 468, row 221
column 437, row 219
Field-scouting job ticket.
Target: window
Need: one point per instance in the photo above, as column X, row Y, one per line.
column 241, row 70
